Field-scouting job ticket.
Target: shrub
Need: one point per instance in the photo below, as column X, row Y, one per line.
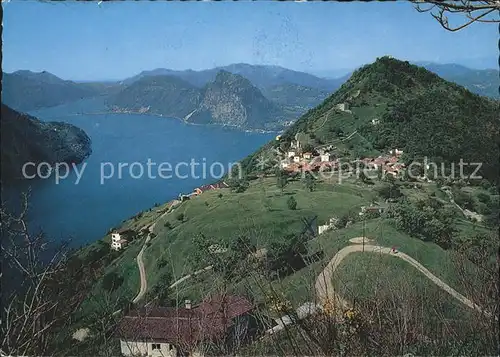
column 220, row 195
column 292, row 203
column 180, row 217
column 112, row 281
column 483, row 197
column 167, row 225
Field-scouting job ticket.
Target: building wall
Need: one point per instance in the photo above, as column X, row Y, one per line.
column 133, row 348
column 136, row 348
column 166, row 350
column 322, row 229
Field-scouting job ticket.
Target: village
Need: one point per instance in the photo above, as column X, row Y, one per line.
column 323, row 158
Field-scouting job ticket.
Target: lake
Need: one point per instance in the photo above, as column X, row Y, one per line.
column 84, row 211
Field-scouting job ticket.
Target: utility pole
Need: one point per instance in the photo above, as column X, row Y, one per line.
column 364, row 232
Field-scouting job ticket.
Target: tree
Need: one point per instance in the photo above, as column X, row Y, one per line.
column 238, row 185
column 112, row 281
column 160, row 291
column 180, row 217
column 364, row 178
column 309, row 181
column 307, row 148
column 291, row 203
column 281, row 179
column 389, row 191
column 474, row 11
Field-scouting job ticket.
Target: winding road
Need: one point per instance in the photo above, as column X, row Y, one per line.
column 140, row 264
column 326, row 294
column 324, row 283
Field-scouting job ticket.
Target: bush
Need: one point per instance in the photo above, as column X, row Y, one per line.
column 112, row 281
column 162, row 263
column 180, row 217
column 167, row 225
column 483, row 197
column 220, row 195
column 389, row 191
column 291, row 203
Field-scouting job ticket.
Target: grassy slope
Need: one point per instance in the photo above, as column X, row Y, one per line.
column 362, row 275
column 262, row 211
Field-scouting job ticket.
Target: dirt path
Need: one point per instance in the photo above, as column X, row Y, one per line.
column 324, row 282
column 186, row 277
column 142, row 272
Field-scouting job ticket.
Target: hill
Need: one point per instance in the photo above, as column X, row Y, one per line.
column 162, row 94
column 295, row 97
column 27, row 139
column 233, row 100
column 26, row 90
column 259, row 219
column 229, row 100
column 393, row 104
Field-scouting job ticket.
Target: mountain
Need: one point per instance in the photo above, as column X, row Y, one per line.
column 232, row 100
column 229, row 100
column 26, row 90
column 391, row 104
column 161, row 94
column 484, row 82
column 294, row 95
column 26, row 139
column 261, row 76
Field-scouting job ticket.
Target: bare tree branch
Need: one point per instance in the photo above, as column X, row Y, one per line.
column 473, row 11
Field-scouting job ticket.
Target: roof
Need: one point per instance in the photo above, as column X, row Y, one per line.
column 213, row 186
column 181, row 326
column 125, row 231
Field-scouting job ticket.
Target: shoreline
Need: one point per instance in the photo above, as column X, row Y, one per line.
column 233, row 127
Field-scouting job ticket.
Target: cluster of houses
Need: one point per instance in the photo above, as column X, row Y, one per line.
column 210, row 187
column 389, row 163
column 171, row 332
column 297, row 159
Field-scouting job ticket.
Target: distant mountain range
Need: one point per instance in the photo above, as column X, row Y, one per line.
column 485, row 82
column 287, row 94
column 26, row 90
column 260, row 76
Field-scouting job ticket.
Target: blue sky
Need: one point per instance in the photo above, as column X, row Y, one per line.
column 87, row 41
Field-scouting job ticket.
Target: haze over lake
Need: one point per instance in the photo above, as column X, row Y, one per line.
column 85, row 211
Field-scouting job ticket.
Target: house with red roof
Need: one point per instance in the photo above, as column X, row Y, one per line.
column 213, row 186
column 171, row 332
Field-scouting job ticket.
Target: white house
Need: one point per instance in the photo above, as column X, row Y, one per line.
column 395, row 152
column 375, row 121
column 291, row 154
column 342, row 106
column 284, row 164
column 296, row 159
column 117, row 242
column 172, row 332
column 327, row 226
column 307, row 155
column 326, row 157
